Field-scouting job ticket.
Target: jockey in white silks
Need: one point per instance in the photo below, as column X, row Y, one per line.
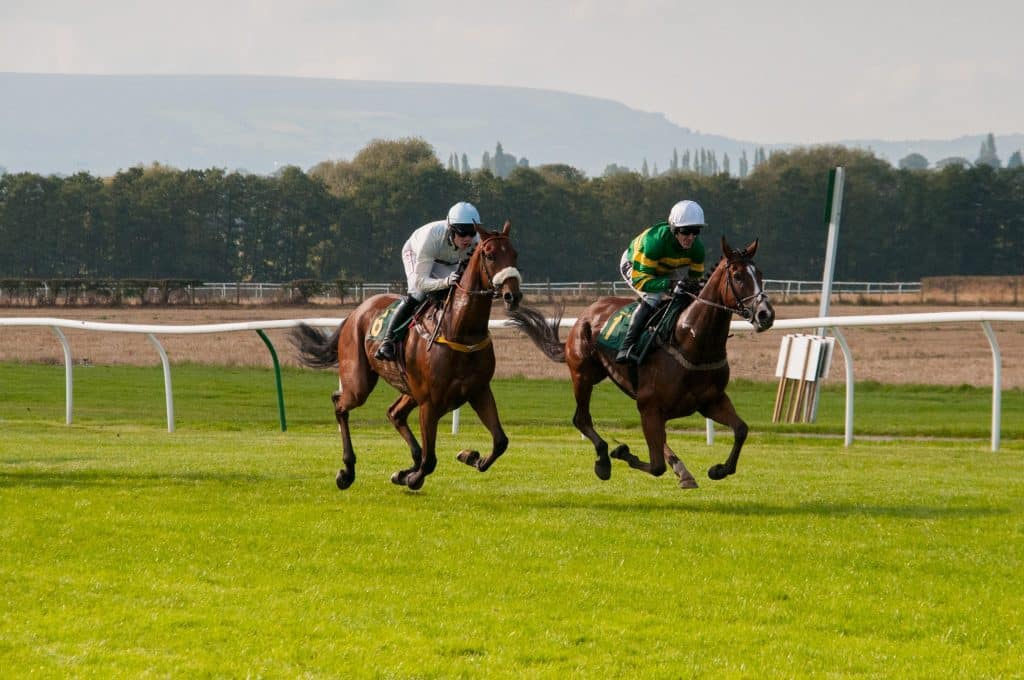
column 433, row 258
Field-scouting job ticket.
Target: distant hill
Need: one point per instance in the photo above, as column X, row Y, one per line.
column 100, row 124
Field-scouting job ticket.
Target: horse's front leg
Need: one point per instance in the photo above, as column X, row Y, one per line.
column 398, row 414
column 487, row 410
column 722, row 411
column 653, row 423
column 429, row 415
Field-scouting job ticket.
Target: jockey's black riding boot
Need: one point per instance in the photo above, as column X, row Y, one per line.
column 405, row 308
column 637, row 322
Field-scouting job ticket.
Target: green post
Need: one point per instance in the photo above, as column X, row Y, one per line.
column 277, row 375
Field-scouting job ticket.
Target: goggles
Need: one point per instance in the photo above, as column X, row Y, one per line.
column 689, row 230
column 463, row 229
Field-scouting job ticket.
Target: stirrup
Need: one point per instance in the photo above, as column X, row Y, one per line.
column 386, row 351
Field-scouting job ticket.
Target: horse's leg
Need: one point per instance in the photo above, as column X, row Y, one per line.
column 686, row 480
column 354, row 386
column 347, row 474
column 653, row 424
column 487, row 411
column 723, row 412
column 583, row 388
column 428, row 457
column 398, row 414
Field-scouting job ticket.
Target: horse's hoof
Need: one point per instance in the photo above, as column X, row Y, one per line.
column 468, row 457
column 344, row 479
column 603, row 470
column 399, row 477
column 620, row 452
column 688, row 483
column 719, row 471
column 415, row 481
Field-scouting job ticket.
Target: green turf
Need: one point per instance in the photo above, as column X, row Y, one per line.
column 243, row 398
column 225, row 550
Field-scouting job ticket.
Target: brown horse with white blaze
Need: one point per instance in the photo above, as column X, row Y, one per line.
column 684, row 375
column 446, row 360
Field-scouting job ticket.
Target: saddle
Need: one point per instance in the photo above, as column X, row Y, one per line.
column 658, row 330
column 429, row 312
column 380, row 322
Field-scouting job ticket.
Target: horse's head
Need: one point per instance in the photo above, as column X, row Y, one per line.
column 497, row 265
column 743, row 286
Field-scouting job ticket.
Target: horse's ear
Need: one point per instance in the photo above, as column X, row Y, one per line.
column 507, row 227
column 480, row 231
column 727, row 251
column 751, row 248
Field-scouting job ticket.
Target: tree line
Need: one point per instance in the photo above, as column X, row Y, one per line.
column 348, row 220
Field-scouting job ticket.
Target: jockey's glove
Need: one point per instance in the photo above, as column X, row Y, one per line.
column 452, row 279
column 691, row 286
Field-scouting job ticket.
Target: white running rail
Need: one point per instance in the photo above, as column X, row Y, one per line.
column 984, row 317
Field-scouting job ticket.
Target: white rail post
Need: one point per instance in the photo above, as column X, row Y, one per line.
column 68, row 377
column 848, row 359
column 168, row 392
column 997, row 384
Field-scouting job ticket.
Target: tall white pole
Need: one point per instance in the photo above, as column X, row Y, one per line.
column 836, row 177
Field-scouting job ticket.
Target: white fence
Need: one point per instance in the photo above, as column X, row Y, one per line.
column 985, row 318
column 238, row 292
column 259, row 292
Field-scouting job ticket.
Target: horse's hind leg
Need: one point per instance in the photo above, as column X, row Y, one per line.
column 346, row 399
column 398, row 414
column 653, row 423
column 347, row 474
column 722, row 411
column 583, row 388
column 686, row 480
column 487, row 410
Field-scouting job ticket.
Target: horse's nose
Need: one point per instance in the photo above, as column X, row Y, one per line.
column 765, row 318
column 512, row 298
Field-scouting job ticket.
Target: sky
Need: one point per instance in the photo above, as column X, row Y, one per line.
column 797, row 72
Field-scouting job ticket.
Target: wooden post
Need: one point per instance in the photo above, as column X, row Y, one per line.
column 780, row 393
column 798, row 402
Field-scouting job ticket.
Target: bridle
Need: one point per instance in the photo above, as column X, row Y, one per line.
column 492, row 288
column 745, row 306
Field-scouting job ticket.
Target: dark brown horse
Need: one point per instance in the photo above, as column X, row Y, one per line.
column 686, row 374
column 437, row 369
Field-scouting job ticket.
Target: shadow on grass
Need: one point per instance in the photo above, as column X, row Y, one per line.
column 83, row 479
column 686, row 503
column 659, row 507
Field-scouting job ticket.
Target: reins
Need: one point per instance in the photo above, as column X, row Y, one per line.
column 490, row 289
column 744, row 310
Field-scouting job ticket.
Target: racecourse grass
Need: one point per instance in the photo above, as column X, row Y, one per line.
column 224, row 549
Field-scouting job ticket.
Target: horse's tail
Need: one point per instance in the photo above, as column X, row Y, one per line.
column 316, row 348
column 543, row 333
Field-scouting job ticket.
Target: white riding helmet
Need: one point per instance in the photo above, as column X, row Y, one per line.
column 462, row 217
column 686, row 214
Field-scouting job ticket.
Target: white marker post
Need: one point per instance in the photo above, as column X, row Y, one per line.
column 833, row 211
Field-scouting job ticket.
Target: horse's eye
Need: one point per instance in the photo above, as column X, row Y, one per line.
column 489, row 256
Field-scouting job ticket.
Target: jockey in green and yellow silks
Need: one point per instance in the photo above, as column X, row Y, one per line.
column 658, row 257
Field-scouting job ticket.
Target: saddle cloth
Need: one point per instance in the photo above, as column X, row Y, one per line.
column 380, row 322
column 613, row 333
